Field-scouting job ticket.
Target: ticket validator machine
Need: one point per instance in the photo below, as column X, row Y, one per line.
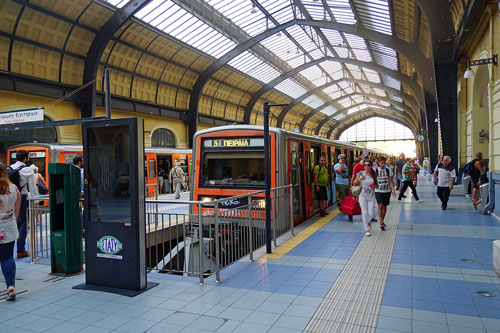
column 115, row 245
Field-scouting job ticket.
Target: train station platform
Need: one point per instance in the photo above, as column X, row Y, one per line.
column 422, row 274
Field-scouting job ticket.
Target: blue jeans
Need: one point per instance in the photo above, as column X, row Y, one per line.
column 9, row 271
column 21, row 225
column 8, row 264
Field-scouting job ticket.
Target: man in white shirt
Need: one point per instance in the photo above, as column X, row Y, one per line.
column 27, row 187
column 446, row 174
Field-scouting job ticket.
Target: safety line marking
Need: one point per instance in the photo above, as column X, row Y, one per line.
column 290, row 244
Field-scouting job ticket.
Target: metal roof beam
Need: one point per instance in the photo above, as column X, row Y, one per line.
column 341, row 126
column 412, row 84
column 407, row 98
column 96, row 49
column 326, row 119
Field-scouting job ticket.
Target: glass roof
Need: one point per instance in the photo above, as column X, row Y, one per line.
column 217, row 26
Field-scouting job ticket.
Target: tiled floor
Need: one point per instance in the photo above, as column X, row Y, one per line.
column 428, row 288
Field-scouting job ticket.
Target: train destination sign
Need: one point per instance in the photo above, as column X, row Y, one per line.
column 239, row 142
column 21, row 116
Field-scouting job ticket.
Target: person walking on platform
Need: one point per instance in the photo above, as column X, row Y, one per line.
column 175, row 178
column 341, row 179
column 361, row 167
column 399, row 171
column 321, row 183
column 407, row 182
column 10, row 202
column 78, row 162
column 24, row 178
column 384, row 189
column 445, row 173
column 426, row 166
column 475, row 173
column 368, row 181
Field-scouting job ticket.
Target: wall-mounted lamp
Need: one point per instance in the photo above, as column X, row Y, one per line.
column 469, row 73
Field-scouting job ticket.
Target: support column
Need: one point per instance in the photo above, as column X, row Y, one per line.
column 446, row 86
column 432, row 129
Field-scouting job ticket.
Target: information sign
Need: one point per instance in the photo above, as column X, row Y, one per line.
column 21, row 116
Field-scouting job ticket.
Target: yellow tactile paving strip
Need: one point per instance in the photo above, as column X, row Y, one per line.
column 290, row 244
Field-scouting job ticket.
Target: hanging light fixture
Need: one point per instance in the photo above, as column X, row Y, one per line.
column 254, row 10
column 469, row 73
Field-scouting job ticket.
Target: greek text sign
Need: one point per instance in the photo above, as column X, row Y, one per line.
column 21, row 116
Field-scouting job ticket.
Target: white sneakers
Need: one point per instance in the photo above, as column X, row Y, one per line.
column 420, row 201
column 368, row 234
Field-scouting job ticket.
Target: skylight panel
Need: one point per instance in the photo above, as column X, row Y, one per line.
column 391, row 82
column 254, row 67
column 313, row 101
column 339, row 116
column 342, row 11
column 333, row 92
column 358, row 47
column 333, row 37
column 384, row 56
column 179, row 23
column 117, row 3
column 371, row 75
column 374, row 14
column 313, row 74
column 355, row 71
column 281, row 10
column 282, row 46
column 329, row 110
column 315, row 9
column 291, row 88
column 379, row 92
column 357, row 99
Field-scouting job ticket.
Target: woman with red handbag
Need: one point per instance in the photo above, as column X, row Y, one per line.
column 368, row 181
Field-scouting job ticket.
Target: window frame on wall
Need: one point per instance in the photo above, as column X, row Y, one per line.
column 163, row 138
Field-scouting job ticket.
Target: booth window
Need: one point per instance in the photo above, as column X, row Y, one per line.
column 163, row 137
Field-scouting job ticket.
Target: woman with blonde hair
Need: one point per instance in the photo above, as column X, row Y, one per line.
column 10, row 202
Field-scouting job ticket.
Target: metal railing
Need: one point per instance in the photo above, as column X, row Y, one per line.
column 214, row 234
column 194, row 238
column 39, row 227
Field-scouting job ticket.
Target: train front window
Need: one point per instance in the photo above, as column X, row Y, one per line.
column 236, row 169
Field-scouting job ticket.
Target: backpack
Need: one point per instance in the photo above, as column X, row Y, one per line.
column 469, row 167
column 14, row 176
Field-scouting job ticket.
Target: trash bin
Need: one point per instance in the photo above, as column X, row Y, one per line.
column 65, row 219
column 467, row 180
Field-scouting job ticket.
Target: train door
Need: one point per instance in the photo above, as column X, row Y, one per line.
column 150, row 174
column 297, row 180
column 164, row 165
column 308, row 188
column 315, row 154
column 329, row 167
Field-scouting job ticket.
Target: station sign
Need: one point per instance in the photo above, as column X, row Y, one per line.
column 21, row 116
column 234, row 142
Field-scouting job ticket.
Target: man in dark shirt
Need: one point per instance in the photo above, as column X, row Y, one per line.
column 399, row 170
column 475, row 174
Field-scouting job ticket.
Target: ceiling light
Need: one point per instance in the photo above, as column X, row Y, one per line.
column 254, row 10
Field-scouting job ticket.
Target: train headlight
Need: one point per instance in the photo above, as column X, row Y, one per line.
column 206, row 199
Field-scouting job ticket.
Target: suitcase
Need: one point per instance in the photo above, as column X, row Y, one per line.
column 350, row 205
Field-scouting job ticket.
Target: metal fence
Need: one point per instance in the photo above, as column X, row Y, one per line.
column 39, row 227
column 214, row 234
column 194, row 238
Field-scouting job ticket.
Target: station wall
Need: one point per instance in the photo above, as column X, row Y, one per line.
column 68, row 110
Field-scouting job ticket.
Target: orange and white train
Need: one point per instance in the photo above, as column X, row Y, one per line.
column 229, row 161
column 155, row 159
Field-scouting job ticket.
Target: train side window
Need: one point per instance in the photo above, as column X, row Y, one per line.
column 152, row 168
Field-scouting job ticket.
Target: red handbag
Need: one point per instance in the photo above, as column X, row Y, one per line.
column 350, row 205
